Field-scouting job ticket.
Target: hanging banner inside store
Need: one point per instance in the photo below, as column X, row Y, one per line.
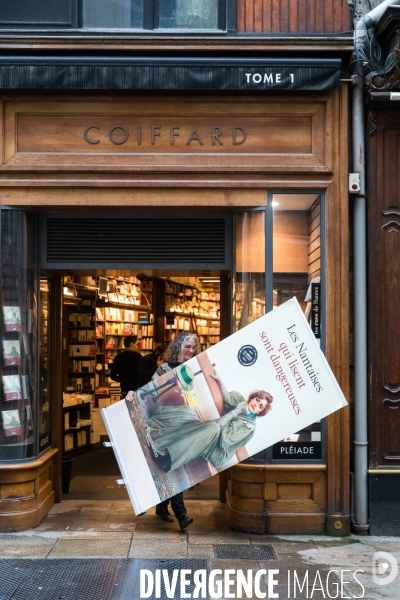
column 168, row 73
column 233, row 400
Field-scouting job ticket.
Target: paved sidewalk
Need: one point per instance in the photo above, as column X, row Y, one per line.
column 103, row 529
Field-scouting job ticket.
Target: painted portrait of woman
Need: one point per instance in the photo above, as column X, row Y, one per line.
column 177, row 435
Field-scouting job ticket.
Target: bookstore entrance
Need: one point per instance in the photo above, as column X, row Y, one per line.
column 117, row 328
column 147, row 214
column 104, row 311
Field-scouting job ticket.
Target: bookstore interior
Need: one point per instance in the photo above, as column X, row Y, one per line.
column 99, row 308
column 102, row 311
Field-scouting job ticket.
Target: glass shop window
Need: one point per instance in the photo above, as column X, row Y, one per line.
column 113, row 14
column 188, row 14
column 18, row 324
column 298, row 271
column 280, row 254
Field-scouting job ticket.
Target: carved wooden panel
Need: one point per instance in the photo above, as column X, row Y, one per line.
column 391, row 429
column 384, row 288
column 165, row 134
column 390, row 234
column 277, row 500
column 293, row 16
column 304, row 491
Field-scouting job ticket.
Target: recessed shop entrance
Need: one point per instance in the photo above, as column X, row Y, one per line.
column 153, row 275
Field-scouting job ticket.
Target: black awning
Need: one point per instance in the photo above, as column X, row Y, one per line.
column 164, row 73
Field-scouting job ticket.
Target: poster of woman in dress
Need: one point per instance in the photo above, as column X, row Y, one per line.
column 222, row 406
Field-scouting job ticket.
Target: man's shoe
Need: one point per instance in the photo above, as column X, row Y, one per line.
column 165, row 516
column 185, row 521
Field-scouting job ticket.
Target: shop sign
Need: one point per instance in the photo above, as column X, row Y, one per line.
column 297, row 451
column 168, row 73
column 215, row 134
column 316, row 309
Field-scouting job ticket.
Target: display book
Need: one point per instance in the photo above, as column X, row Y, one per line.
column 16, row 417
column 224, row 405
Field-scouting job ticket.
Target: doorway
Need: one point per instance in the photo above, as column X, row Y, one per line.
column 154, row 267
column 102, row 309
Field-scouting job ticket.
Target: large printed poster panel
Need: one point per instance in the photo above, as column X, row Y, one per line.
column 235, row 399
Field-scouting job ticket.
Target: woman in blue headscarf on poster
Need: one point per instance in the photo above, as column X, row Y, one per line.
column 177, row 435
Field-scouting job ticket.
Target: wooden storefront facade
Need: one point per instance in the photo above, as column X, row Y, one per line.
column 148, row 150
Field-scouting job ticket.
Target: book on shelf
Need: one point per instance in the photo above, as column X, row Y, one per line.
column 11, row 387
column 73, row 399
column 111, row 342
column 74, row 335
column 66, row 420
column 126, row 328
column 129, row 316
column 99, row 313
column 11, row 422
column 12, row 318
column 68, row 441
column 81, row 366
column 81, row 335
column 81, row 438
column 11, row 352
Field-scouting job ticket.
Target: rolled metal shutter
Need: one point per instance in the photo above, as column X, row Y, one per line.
column 197, row 242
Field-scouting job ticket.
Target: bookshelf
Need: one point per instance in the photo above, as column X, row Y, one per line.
column 82, row 344
column 76, row 422
column 124, row 309
column 191, row 308
column 119, row 322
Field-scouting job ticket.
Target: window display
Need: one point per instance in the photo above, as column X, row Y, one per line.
column 18, row 297
column 297, row 262
column 278, row 256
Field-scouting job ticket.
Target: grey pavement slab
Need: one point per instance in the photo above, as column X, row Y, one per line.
column 113, row 536
column 26, row 547
column 216, row 537
column 90, row 548
column 160, row 549
column 201, row 550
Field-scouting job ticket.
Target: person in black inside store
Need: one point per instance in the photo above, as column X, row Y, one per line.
column 125, row 366
column 149, row 364
column 183, row 347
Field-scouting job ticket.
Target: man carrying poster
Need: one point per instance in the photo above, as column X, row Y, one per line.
column 224, row 405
